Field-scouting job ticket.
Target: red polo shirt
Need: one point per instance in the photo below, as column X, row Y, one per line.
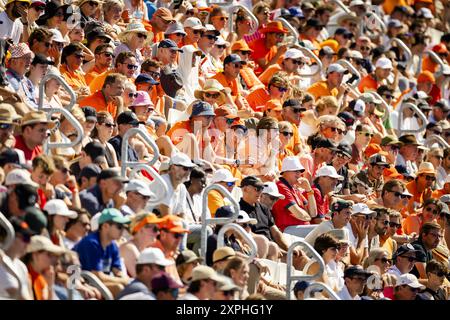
column 30, row 154
column 283, row 217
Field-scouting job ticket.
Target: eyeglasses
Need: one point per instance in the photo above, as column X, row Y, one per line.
column 385, row 222
column 384, row 260
column 436, row 235
column 220, row 46
column 399, row 195
column 228, row 293
column 66, row 171
column 93, row 3
column 178, row 34
column 196, row 31
column 132, row 67
column 429, row 209
column 281, row 89
column 209, row 36
column 395, row 225
column 109, row 125
column 430, row 178
column 237, row 65
column 367, row 134
column 230, row 184
column 287, row 134
column 5, row 126
column 203, row 13
column 340, row 131
column 298, row 110
column 108, row 54
column 364, row 48
column 214, row 96
column 154, row 75
column 25, row 238
column 190, row 12
column 141, row 35
column 298, row 62
column 133, row 95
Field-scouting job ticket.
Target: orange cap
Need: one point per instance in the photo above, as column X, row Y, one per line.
column 426, row 76
column 391, row 172
column 274, row 105
column 440, row 48
column 333, row 44
column 240, row 45
column 374, row 148
column 149, row 219
column 173, row 224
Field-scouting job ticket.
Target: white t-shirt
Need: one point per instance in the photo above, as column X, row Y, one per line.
column 8, row 281
column 175, row 199
column 322, row 228
column 10, row 29
column 353, row 239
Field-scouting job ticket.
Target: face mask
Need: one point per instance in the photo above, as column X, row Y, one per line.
column 349, row 137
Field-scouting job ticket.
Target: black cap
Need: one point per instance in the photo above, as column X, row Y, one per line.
column 35, row 219
column 90, row 113
column 378, row 159
column 345, row 149
column 96, row 151
column 233, row 58
column 110, row 174
column 224, row 212
column 405, row 248
column 252, row 181
column 356, row 271
column 21, row 227
column 294, row 103
column 344, row 32
column 325, row 143
column 171, row 81
column 89, row 171
column 347, row 117
column 11, row 156
column 314, row 23
column 26, row 194
column 168, row 43
column 145, row 78
column 128, row 117
column 41, row 59
column 340, row 205
column 442, row 105
column 97, row 32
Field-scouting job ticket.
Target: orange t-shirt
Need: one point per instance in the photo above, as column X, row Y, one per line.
column 75, row 79
column 261, row 51
column 98, row 101
column 249, row 77
column 429, row 65
column 389, row 5
column 368, row 83
column 95, row 72
column 268, row 73
column 38, row 284
column 438, row 193
column 295, row 139
column 97, row 83
column 417, row 196
column 177, row 132
column 232, row 84
column 320, row 89
column 258, row 99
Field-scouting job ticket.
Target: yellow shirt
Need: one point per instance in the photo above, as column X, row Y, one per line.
column 320, row 89
column 215, row 201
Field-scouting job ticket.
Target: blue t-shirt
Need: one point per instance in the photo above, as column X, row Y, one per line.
column 94, row 258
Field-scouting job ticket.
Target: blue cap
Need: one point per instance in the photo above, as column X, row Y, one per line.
column 168, row 43
column 301, row 286
column 343, row 31
column 202, row 108
column 224, row 212
column 233, row 58
column 145, row 78
column 296, row 12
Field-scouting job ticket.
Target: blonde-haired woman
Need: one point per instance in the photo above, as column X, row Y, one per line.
column 286, row 134
column 144, row 231
column 327, row 105
column 112, row 14
column 331, row 127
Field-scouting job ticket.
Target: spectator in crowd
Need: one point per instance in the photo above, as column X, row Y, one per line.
column 429, row 237
column 404, row 259
column 436, row 273
column 164, row 287
column 355, row 278
column 238, row 270
column 186, row 261
column 407, row 287
column 203, row 284
column 76, row 229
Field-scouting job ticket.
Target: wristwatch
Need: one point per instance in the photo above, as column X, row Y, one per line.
column 237, row 162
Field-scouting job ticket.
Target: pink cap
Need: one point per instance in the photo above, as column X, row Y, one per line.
column 143, row 99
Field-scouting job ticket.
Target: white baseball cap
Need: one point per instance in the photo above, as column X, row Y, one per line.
column 271, row 189
column 361, row 208
column 355, row 54
column 19, row 176
column 294, row 54
column 193, row 23
column 181, row 159
column 139, row 186
column 221, row 42
column 59, row 207
column 383, row 63
column 291, row 163
column 336, row 67
column 57, row 36
column 409, row 280
column 328, row 171
column 154, row 256
column 244, row 218
column 223, row 175
column 426, row 13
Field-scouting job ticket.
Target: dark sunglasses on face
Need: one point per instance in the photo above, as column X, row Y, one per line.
column 5, row 126
column 297, row 110
column 177, row 235
column 281, row 89
column 395, row 225
column 237, row 65
column 221, row 46
column 440, row 274
column 336, row 130
column 399, row 195
column 79, row 56
column 410, row 259
column 272, row 198
column 367, row 134
column 155, row 75
column 434, row 211
column 214, row 96
column 245, row 225
column 118, row 226
column 132, row 67
column 385, row 222
column 109, row 125
column 180, row 34
column 133, row 95
column 364, row 48
column 245, row 53
column 228, row 293
column 196, row 31
column 210, row 37
column 384, row 260
column 430, row 178
column 142, row 35
column 230, row 184
column 108, row 54
column 287, row 134
column 66, row 171
column 47, row 44
column 258, row 189
column 388, row 96
column 24, row 237
column 298, row 62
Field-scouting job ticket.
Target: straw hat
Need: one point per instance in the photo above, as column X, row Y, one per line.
column 135, row 27
column 211, row 85
column 8, row 114
column 34, row 117
column 426, row 167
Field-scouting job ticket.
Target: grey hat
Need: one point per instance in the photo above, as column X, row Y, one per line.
column 175, row 28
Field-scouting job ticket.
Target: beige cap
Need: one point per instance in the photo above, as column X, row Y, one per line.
column 223, row 253
column 34, row 117
column 41, row 243
column 8, row 113
column 204, row 273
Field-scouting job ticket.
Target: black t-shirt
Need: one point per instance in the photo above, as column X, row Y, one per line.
column 437, row 295
column 423, row 255
column 263, row 216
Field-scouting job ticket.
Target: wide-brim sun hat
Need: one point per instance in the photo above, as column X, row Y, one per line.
column 135, row 27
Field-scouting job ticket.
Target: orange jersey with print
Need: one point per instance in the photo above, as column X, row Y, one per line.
column 268, row 73
column 75, row 79
column 320, row 89
column 249, row 77
column 260, row 51
column 177, row 132
column 97, row 101
column 257, row 99
column 95, row 72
